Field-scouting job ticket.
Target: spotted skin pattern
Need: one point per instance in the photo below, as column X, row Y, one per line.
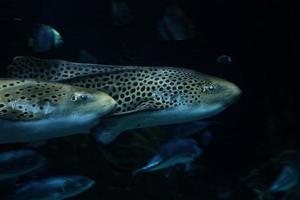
column 147, row 87
column 145, row 96
column 32, row 110
column 133, row 87
column 54, row 70
column 29, row 99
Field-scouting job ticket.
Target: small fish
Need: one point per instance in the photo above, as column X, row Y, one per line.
column 175, row 25
column 177, row 151
column 54, row 188
column 286, row 182
column 33, row 110
column 146, row 96
column 19, row 162
column 44, row 38
column 224, row 59
column 288, row 179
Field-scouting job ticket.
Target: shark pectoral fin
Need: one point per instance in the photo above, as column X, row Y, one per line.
column 143, row 106
column 105, row 135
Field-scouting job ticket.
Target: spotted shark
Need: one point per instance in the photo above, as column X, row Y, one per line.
column 146, row 96
column 32, row 110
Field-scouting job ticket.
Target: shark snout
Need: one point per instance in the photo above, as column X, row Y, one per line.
column 236, row 91
column 233, row 92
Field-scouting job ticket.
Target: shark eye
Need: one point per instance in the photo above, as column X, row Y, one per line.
column 84, row 97
column 208, row 88
column 211, row 87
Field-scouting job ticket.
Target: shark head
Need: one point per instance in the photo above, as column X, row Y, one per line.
column 30, row 99
column 34, row 110
column 85, row 101
column 210, row 95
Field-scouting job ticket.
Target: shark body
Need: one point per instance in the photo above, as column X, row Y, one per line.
column 145, row 96
column 33, row 110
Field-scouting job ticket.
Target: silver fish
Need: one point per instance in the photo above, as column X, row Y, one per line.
column 289, row 177
column 19, row 162
column 177, row 151
column 54, row 188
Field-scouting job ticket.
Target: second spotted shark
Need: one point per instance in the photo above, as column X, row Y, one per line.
column 145, row 96
column 33, row 110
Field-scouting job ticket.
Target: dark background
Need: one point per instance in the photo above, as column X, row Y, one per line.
column 260, row 36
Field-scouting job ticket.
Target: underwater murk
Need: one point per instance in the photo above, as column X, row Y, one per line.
column 166, row 100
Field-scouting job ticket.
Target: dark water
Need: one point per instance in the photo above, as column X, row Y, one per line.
column 260, row 36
